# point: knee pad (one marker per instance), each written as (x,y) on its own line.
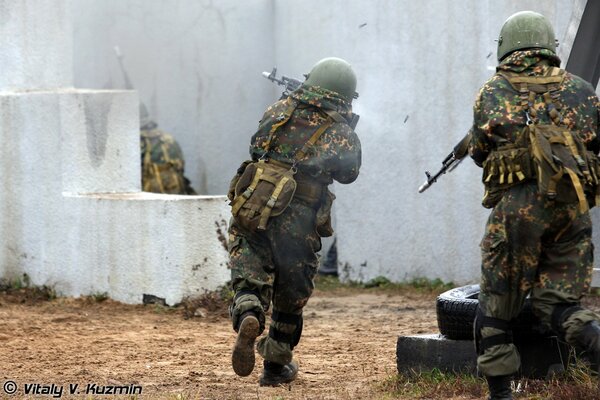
(292,319)
(484,343)
(243,302)
(562,312)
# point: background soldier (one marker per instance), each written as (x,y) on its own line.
(162,160)
(279,263)
(538,236)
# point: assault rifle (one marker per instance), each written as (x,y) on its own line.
(450,162)
(292,84)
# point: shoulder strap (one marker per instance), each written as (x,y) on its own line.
(313,139)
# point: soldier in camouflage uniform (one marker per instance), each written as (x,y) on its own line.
(278,265)
(532,244)
(162,160)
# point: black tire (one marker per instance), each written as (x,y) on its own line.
(456,310)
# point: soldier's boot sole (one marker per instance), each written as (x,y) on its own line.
(242,358)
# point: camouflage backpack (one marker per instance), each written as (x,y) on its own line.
(265,188)
(553,155)
(162,164)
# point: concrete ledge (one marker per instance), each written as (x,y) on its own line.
(539,357)
(596,277)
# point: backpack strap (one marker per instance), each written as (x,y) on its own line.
(312,140)
(530,86)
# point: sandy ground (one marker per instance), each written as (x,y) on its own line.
(347,350)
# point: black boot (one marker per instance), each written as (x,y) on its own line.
(499,387)
(242,358)
(276,374)
(589,339)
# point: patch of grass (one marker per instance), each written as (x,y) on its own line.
(577,382)
(99,297)
(332,283)
(433,385)
(20,290)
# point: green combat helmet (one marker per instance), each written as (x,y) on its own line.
(526,30)
(333,74)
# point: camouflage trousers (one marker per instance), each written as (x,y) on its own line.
(534,247)
(278,266)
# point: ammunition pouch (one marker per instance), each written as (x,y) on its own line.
(504,168)
(264,190)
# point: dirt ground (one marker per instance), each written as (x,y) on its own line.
(347,349)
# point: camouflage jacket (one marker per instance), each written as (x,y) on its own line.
(162,164)
(337,153)
(499,117)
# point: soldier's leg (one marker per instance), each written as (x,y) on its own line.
(565,276)
(252,282)
(510,250)
(294,245)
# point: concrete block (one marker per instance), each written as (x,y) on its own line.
(100,141)
(539,356)
(125,244)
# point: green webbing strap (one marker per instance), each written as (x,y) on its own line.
(266,212)
(313,139)
(240,200)
(583,205)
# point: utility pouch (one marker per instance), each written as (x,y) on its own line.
(263,191)
(504,168)
(559,157)
(324,228)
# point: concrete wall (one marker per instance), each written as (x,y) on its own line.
(419,65)
(40,55)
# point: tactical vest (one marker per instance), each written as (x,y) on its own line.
(551,154)
(264,189)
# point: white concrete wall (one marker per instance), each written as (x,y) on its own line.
(419,64)
(419,67)
(40,55)
(73,216)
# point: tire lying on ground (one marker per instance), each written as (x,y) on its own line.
(456,310)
